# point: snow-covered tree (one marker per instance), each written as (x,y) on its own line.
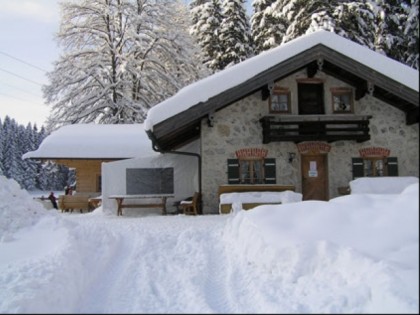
(267,27)
(351,19)
(10,134)
(120,58)
(387,26)
(15,140)
(29,143)
(1,147)
(235,33)
(206,19)
(390,17)
(411,35)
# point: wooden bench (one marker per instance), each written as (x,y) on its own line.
(226,189)
(161,203)
(79,201)
(191,206)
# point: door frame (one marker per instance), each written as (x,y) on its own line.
(318,157)
(314,148)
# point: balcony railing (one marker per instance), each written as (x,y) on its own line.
(298,128)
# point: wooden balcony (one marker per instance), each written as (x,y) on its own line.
(298,128)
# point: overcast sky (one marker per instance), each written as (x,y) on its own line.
(27,51)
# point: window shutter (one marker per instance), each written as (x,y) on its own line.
(357,167)
(270,171)
(392,163)
(233,171)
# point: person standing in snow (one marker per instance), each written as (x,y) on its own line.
(53,200)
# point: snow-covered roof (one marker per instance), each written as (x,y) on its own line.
(213,85)
(93,141)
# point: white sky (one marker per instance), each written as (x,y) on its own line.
(354,254)
(26,33)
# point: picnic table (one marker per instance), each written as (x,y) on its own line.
(142,201)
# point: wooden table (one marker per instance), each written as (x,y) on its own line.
(147,204)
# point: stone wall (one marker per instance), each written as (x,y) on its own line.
(237,126)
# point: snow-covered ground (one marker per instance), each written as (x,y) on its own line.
(355,254)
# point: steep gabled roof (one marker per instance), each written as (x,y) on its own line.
(176,120)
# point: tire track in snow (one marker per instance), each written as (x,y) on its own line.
(229,288)
(165,263)
(108,272)
(218,276)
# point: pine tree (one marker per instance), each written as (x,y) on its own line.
(120,58)
(1,147)
(387,26)
(206,22)
(29,177)
(10,165)
(390,16)
(411,35)
(235,34)
(267,27)
(351,19)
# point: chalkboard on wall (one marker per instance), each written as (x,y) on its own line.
(149,181)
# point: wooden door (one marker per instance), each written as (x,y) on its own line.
(314,177)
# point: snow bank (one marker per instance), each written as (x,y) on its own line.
(20,210)
(353,254)
(381,185)
(45,260)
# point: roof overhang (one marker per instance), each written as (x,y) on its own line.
(184,127)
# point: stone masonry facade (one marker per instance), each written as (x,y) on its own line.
(237,126)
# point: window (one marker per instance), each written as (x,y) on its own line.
(251,171)
(311,97)
(279,101)
(342,100)
(374,166)
(149,181)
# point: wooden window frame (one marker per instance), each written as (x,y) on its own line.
(279,92)
(251,170)
(376,171)
(337,94)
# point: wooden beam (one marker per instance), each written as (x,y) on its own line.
(312,69)
(412,116)
(265,93)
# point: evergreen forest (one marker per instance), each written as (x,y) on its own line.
(16,140)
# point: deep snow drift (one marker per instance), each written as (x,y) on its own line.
(354,254)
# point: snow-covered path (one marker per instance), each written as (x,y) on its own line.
(304,257)
(161,263)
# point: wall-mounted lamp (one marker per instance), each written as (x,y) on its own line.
(292,156)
